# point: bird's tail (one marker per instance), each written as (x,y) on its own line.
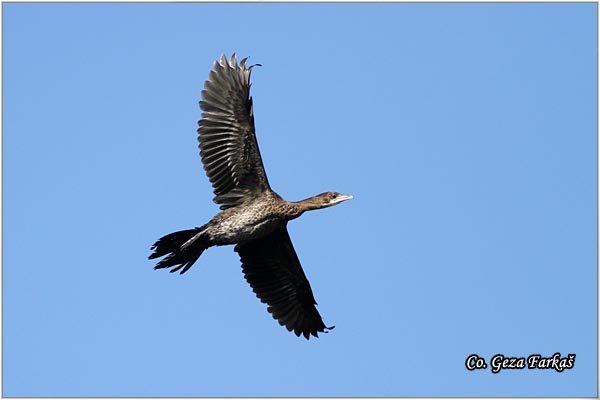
(182,249)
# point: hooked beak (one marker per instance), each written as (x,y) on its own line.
(341,198)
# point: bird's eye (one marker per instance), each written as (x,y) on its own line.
(333,195)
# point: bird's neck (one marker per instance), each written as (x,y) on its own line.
(312,203)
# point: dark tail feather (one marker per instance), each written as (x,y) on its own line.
(177,256)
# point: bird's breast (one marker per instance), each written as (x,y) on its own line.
(241,224)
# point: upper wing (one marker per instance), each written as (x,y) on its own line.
(228,144)
(272,268)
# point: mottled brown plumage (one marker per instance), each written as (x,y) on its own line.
(253,216)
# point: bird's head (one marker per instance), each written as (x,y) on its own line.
(323,200)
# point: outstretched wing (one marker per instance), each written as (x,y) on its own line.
(272,269)
(228,146)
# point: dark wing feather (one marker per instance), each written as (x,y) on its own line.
(228,146)
(273,270)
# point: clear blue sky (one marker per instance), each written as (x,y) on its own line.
(466,133)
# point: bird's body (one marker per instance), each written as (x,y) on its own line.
(249,221)
(253,216)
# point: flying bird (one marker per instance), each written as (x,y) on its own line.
(252,216)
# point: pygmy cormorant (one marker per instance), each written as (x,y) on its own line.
(253,217)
